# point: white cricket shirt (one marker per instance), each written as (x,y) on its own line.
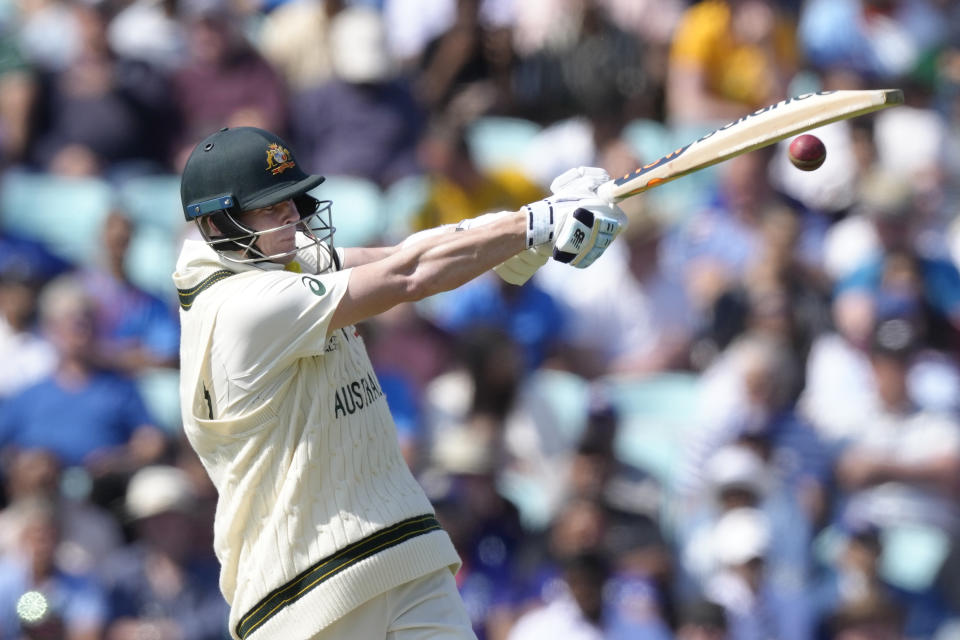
(318,511)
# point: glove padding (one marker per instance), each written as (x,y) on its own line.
(587,232)
(567,188)
(521,267)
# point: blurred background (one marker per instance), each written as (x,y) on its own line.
(741,422)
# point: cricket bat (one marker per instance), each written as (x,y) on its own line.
(755,130)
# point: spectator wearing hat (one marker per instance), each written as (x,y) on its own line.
(165,583)
(756,607)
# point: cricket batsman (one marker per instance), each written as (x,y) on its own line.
(321,529)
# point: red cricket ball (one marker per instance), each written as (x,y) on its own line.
(807,152)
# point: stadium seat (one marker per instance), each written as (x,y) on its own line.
(151,259)
(912,555)
(496,142)
(66,214)
(358,209)
(402,200)
(655,412)
(153,200)
(160,389)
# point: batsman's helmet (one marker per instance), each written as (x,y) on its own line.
(240,169)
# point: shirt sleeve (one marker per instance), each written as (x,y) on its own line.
(273,318)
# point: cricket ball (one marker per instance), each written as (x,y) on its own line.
(807,152)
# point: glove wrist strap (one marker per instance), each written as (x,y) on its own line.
(539,222)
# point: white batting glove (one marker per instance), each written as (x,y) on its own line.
(548,215)
(521,267)
(587,232)
(580,182)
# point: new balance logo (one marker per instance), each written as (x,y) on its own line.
(578,237)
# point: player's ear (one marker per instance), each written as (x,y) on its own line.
(211,227)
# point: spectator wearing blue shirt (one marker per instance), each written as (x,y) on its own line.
(528,314)
(899,268)
(85,415)
(135,329)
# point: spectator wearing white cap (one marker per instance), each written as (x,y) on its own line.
(164,585)
(756,608)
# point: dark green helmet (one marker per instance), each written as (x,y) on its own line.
(241,169)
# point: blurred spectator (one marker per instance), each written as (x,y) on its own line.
(872,619)
(164,584)
(702,620)
(101,113)
(461,51)
(485,526)
(728,58)
(740,478)
(899,268)
(135,330)
(839,387)
(88,533)
(47,33)
(150,31)
(903,467)
(854,579)
(26,355)
(294,39)
(18,91)
(577,610)
(459,189)
(487,382)
(746,397)
(881,40)
(39,598)
(575,59)
(755,607)
(21,254)
(530,316)
(364,121)
(225,82)
(777,294)
(86,415)
(713,248)
(627,314)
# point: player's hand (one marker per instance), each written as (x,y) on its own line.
(548,216)
(587,232)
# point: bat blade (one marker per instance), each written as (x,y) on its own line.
(755,130)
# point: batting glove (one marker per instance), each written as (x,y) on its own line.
(549,215)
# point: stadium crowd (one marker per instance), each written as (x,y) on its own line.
(742,423)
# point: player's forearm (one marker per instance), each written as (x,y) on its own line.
(429,265)
(446,261)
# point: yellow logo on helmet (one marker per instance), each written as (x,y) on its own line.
(278,159)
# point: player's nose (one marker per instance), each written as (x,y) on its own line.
(290,213)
